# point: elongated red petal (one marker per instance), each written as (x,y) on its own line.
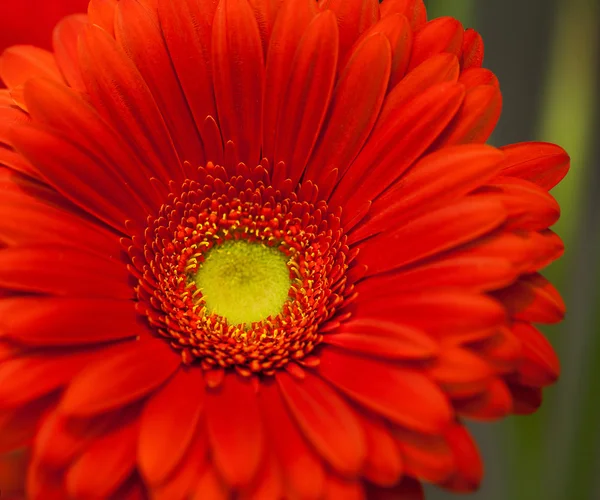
(384,158)
(533,298)
(437,179)
(292,21)
(237,57)
(540,365)
(168,423)
(327,421)
(354,17)
(139,35)
(444,34)
(302,469)
(348,127)
(102,13)
(64,42)
(187,29)
(414,10)
(383,465)
(306,100)
(65,321)
(102,467)
(433,233)
(476,118)
(540,162)
(402,395)
(235,429)
(448,315)
(63,271)
(22,62)
(118,91)
(472,50)
(122,378)
(469,467)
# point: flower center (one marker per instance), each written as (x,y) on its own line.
(236,273)
(244,282)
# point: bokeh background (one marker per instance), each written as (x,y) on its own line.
(546,54)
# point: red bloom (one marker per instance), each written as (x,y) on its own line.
(259,249)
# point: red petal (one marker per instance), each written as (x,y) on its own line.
(78,175)
(533,298)
(436,179)
(354,17)
(27,378)
(383,347)
(460,373)
(433,233)
(494,403)
(474,77)
(476,118)
(210,487)
(18,426)
(396,29)
(119,93)
(451,316)
(235,430)
(427,457)
(54,321)
(539,162)
(266,12)
(139,35)
(384,158)
(70,114)
(60,439)
(414,10)
(354,108)
(237,57)
(22,62)
(168,424)
(530,207)
(415,343)
(444,34)
(64,42)
(184,478)
(307,96)
(540,366)
(138,369)
(326,420)
(383,465)
(469,467)
(102,13)
(402,395)
(441,68)
(292,21)
(107,463)
(187,29)
(472,50)
(59,270)
(302,470)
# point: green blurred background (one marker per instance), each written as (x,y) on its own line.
(546,54)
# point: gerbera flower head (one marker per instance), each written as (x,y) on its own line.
(259,249)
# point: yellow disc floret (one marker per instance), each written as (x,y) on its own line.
(244,282)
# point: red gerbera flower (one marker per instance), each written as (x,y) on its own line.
(258,249)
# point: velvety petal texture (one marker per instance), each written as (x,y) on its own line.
(344,139)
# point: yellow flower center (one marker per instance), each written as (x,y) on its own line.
(244,282)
